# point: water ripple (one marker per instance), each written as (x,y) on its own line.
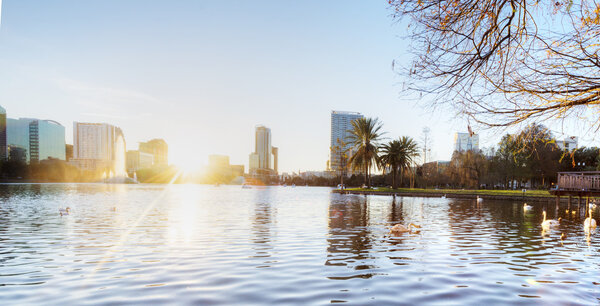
(190,244)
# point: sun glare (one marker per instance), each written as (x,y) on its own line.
(188,162)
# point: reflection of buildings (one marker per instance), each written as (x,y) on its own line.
(159,149)
(568,144)
(218,165)
(3,145)
(137,160)
(37,139)
(466,142)
(261,229)
(99,146)
(260,162)
(341,123)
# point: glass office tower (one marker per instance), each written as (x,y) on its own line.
(40,139)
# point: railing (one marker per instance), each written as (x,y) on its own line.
(588,180)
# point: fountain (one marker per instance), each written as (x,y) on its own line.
(118,174)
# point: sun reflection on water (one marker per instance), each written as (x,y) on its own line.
(184,217)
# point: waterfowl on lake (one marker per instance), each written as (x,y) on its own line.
(479,200)
(399,228)
(444,196)
(547,224)
(527,207)
(64,211)
(589,223)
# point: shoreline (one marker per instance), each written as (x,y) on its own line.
(456,194)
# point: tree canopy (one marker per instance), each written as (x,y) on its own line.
(501,62)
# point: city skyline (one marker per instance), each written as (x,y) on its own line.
(160,73)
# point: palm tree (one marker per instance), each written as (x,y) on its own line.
(364,137)
(397,155)
(340,151)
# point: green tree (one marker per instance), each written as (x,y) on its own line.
(341,151)
(364,137)
(397,155)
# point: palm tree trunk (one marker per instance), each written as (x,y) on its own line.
(401,176)
(394,172)
(367,177)
(366,174)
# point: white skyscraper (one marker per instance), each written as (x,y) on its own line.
(341,123)
(262,147)
(99,146)
(264,158)
(466,142)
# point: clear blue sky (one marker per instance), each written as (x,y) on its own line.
(202,74)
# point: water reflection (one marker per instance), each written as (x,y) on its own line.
(262,220)
(349,242)
(226,245)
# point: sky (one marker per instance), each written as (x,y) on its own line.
(203,74)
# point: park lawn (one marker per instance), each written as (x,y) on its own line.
(528,193)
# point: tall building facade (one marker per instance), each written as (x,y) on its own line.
(275,151)
(262,146)
(466,142)
(37,139)
(3,143)
(137,160)
(99,146)
(265,156)
(159,149)
(341,123)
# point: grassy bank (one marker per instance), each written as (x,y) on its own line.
(482,192)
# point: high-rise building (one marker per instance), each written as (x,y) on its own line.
(275,151)
(341,123)
(262,146)
(218,166)
(253,161)
(159,149)
(568,144)
(137,160)
(260,161)
(466,142)
(40,139)
(99,146)
(3,144)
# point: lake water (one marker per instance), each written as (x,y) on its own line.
(191,244)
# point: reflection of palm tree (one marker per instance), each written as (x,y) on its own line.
(364,137)
(397,155)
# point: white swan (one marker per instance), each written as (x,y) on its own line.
(589,223)
(527,207)
(548,224)
(399,228)
(64,211)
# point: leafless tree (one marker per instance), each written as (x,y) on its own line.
(502,63)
